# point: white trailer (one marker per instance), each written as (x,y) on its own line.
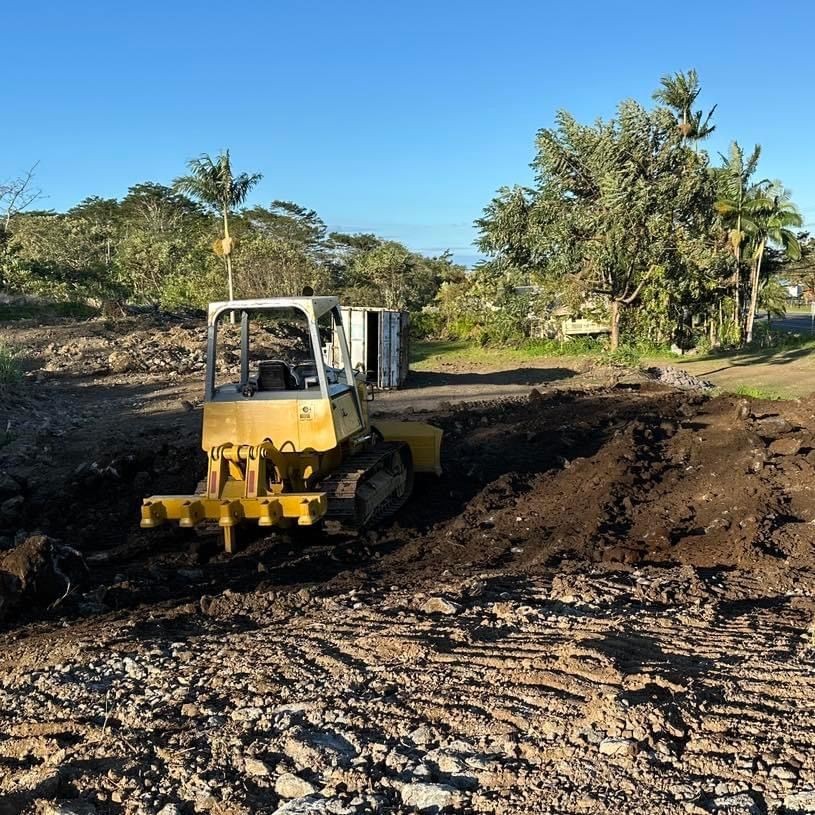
(378,340)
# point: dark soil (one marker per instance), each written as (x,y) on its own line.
(603,605)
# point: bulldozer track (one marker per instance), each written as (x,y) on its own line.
(343,484)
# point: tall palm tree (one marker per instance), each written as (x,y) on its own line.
(679,92)
(732,205)
(212,182)
(774,216)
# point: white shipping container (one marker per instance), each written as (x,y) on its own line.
(378,341)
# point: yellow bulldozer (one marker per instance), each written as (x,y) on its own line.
(286,431)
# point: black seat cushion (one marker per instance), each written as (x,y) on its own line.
(274,375)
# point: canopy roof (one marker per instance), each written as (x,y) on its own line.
(314,307)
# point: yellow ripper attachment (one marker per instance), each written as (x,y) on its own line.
(303,508)
(236,491)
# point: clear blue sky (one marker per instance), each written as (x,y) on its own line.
(395,117)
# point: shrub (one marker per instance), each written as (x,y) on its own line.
(426,325)
(11,371)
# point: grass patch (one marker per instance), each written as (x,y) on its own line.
(425,353)
(11,371)
(757,393)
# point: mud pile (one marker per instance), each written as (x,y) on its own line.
(38,572)
(665,478)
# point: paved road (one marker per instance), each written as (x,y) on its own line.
(801,323)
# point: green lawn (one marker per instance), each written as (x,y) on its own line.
(426,355)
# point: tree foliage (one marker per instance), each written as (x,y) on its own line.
(679,92)
(618,206)
(155,245)
(213,183)
(627,217)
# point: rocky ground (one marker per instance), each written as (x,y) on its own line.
(605,605)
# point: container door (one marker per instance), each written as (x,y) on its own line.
(404,347)
(357,339)
(389,350)
(353,321)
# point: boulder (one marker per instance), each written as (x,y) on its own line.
(787,446)
(801,802)
(120,362)
(290,785)
(438,605)
(429,798)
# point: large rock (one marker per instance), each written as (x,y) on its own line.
(429,798)
(801,802)
(38,572)
(310,805)
(438,605)
(788,446)
(290,785)
(255,767)
(120,362)
(740,803)
(618,747)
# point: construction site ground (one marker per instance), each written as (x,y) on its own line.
(604,605)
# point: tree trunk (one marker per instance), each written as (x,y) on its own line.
(737,253)
(228,259)
(736,304)
(751,311)
(615,325)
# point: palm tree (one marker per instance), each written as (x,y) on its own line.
(212,182)
(679,92)
(735,193)
(772,298)
(774,215)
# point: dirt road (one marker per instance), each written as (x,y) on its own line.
(605,605)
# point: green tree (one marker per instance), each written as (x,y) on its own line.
(290,222)
(158,209)
(772,298)
(733,205)
(617,205)
(389,272)
(214,184)
(679,93)
(58,255)
(802,270)
(271,266)
(773,217)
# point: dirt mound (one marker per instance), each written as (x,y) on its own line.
(157,345)
(38,572)
(625,478)
(678,378)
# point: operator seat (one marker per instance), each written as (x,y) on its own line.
(275,375)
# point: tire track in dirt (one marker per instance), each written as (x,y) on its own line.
(617,618)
